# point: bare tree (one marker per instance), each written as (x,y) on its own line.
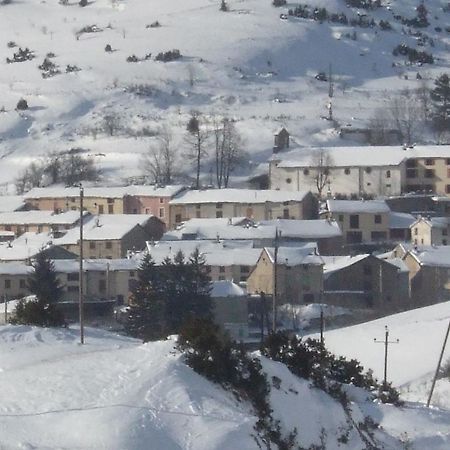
(31,177)
(379,126)
(160,161)
(405,112)
(111,123)
(321,163)
(228,150)
(196,139)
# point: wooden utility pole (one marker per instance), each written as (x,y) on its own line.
(80,284)
(322,340)
(386,343)
(5,299)
(262,305)
(438,365)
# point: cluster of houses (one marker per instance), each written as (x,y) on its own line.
(380,255)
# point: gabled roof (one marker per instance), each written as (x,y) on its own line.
(336,263)
(358,206)
(433,222)
(293,256)
(226,288)
(436,256)
(39,217)
(360,156)
(247,196)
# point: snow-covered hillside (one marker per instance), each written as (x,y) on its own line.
(246,63)
(116,393)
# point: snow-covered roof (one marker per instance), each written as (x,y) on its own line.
(335,263)
(434,222)
(96,265)
(104,227)
(24,247)
(400,220)
(226,288)
(10,203)
(39,217)
(294,256)
(15,268)
(60,191)
(358,206)
(438,256)
(360,156)
(250,196)
(241,228)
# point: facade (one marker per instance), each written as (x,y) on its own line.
(366,282)
(431,231)
(377,171)
(253,204)
(361,221)
(298,276)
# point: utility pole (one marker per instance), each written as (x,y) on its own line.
(438,365)
(330,82)
(5,299)
(322,340)
(386,343)
(80,275)
(262,305)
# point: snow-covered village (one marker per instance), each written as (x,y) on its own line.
(225,224)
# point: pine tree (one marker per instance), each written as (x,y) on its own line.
(440,97)
(44,284)
(146,318)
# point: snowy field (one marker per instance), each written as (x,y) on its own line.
(116,393)
(246,63)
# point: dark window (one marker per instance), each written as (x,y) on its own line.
(8,228)
(73,276)
(222,269)
(91,245)
(7,284)
(100,209)
(448,161)
(161,199)
(245,269)
(286,213)
(429,173)
(411,173)
(22,284)
(110,200)
(444,241)
(177,218)
(341,218)
(219,205)
(411,163)
(354,221)
(108,244)
(132,273)
(110,209)
(306,172)
(377,218)
(198,206)
(429,162)
(447,188)
(416,231)
(219,214)
(388,174)
(347,171)
(288,180)
(368,169)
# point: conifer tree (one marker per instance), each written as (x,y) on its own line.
(146,315)
(44,284)
(440,97)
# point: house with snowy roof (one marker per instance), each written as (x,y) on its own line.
(366,282)
(361,221)
(295,274)
(429,272)
(134,199)
(250,203)
(431,231)
(19,222)
(326,233)
(359,170)
(112,236)
(10,203)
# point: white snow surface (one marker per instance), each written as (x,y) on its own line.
(117,393)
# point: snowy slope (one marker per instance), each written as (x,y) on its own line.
(246,63)
(116,393)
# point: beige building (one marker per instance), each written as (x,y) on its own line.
(298,279)
(431,231)
(253,204)
(361,221)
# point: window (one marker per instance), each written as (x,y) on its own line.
(368,169)
(161,212)
(411,163)
(444,241)
(177,218)
(388,174)
(92,245)
(448,161)
(429,173)
(447,188)
(377,218)
(245,269)
(288,180)
(108,245)
(110,209)
(198,206)
(8,228)
(72,199)
(73,276)
(22,284)
(347,171)
(341,217)
(416,231)
(110,200)
(429,162)
(198,214)
(411,173)
(354,221)
(101,209)
(448,172)
(102,285)
(219,205)
(222,269)
(161,199)
(286,213)
(132,273)
(7,284)
(444,232)
(306,172)
(219,214)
